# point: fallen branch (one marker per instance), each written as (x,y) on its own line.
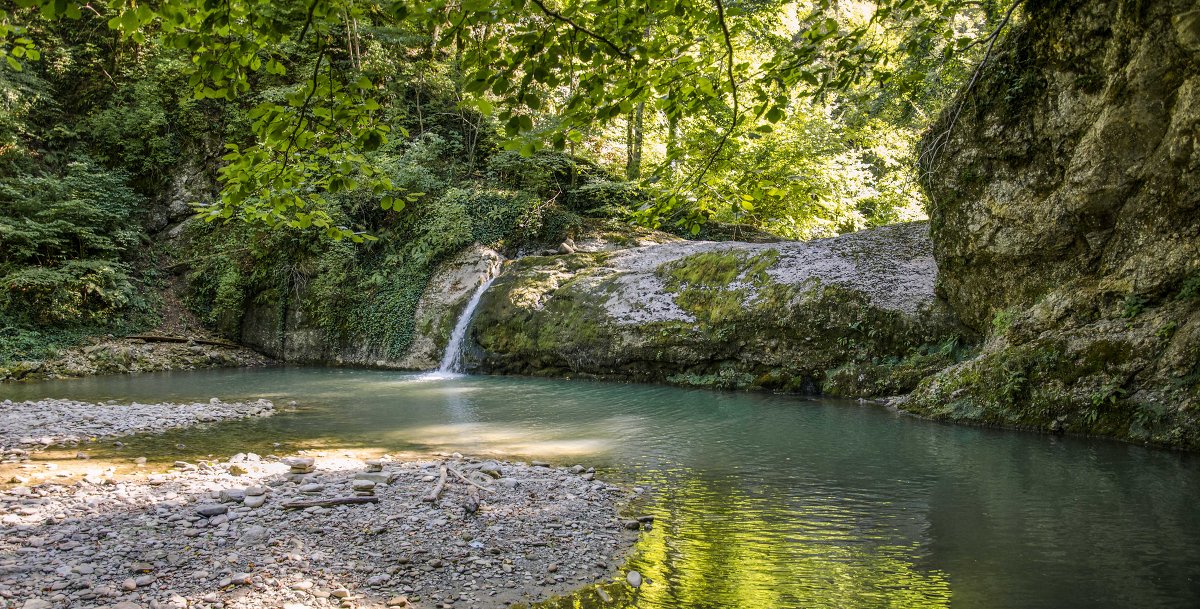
(469,481)
(304,503)
(437,490)
(152,338)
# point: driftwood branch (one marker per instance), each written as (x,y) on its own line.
(151,338)
(437,490)
(295,505)
(469,481)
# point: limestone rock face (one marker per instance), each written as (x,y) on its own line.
(1064,217)
(191,182)
(1074,157)
(442,303)
(853,315)
(293,337)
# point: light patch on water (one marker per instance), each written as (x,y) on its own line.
(431,376)
(508,440)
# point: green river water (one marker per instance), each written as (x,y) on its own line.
(761,501)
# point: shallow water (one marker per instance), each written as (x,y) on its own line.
(762,501)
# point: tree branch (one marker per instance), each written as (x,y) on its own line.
(928,159)
(287,152)
(307,21)
(580,28)
(733,89)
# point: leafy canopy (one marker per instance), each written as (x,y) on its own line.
(549,71)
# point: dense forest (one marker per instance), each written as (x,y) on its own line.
(350,147)
(597,303)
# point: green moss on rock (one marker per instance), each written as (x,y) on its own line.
(733,316)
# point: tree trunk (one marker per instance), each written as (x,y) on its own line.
(633,147)
(672,143)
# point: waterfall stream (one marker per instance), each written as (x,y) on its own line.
(452,359)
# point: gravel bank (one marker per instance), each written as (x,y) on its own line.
(220,535)
(67,422)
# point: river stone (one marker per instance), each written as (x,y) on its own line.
(312,488)
(211,509)
(634,578)
(232,495)
(255,501)
(376,477)
(362,485)
(252,534)
(299,461)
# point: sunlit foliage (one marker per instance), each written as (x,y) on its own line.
(789,115)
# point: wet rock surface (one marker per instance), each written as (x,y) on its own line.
(206,538)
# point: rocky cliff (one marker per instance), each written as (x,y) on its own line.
(1064,192)
(853,315)
(291,335)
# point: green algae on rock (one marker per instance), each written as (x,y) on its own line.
(791,316)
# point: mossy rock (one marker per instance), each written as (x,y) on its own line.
(725,315)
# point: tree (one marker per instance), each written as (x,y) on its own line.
(549,70)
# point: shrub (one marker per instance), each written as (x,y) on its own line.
(606,198)
(68,244)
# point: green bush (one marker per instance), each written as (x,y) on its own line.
(68,244)
(606,198)
(545,173)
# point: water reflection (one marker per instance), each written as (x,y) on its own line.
(763,501)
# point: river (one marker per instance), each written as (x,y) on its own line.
(761,501)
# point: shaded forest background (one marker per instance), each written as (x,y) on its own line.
(108,148)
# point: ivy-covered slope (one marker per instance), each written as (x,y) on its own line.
(1065,216)
(853,315)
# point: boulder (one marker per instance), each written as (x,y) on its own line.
(800,316)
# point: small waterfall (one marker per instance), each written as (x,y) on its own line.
(452,359)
